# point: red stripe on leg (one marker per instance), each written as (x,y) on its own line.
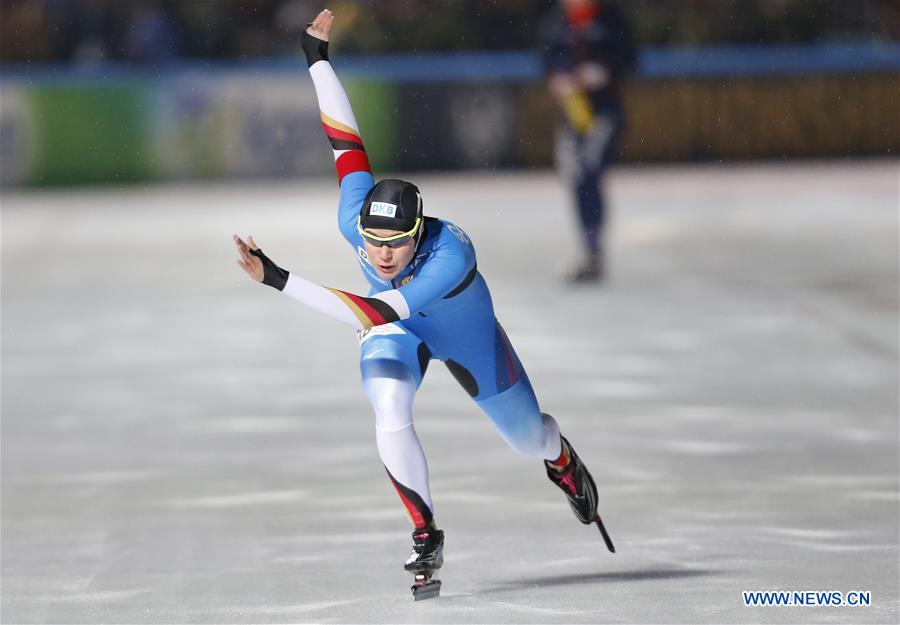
(511,369)
(418,520)
(351,161)
(418,512)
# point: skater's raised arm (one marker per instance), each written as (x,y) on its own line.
(352,163)
(334,105)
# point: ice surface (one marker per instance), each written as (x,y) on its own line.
(180,445)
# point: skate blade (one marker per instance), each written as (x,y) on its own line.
(427,590)
(606,538)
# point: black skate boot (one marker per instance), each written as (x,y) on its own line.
(592,270)
(428,550)
(589,272)
(427,557)
(578,485)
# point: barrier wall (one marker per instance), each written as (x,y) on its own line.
(813,116)
(437,112)
(191,125)
(668,119)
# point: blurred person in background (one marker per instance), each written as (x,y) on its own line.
(587,51)
(92,32)
(152,33)
(426,300)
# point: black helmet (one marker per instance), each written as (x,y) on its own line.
(392,205)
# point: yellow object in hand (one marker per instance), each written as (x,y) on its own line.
(579,112)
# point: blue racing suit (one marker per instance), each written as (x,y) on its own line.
(452,319)
(437,307)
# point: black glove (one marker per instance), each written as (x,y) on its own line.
(273,275)
(314,48)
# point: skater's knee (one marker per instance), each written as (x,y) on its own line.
(391,400)
(536,437)
(392,411)
(525,436)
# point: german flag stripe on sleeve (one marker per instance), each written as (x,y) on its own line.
(342,135)
(368,310)
(331,123)
(341,144)
(351,161)
(338,121)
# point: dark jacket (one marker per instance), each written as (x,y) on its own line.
(606,39)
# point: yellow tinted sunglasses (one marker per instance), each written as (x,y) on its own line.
(395,240)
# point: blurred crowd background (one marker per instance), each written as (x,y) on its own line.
(155,31)
(128,90)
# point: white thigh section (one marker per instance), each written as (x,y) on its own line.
(398,445)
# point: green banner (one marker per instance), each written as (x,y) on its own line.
(375,108)
(90,134)
(258,125)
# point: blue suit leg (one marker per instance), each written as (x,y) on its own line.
(392,351)
(596,151)
(493,375)
(520,422)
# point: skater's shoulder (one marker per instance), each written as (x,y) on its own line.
(442,233)
(445,248)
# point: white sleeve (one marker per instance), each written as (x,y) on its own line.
(355,310)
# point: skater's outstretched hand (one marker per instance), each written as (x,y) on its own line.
(321,26)
(259,266)
(250,264)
